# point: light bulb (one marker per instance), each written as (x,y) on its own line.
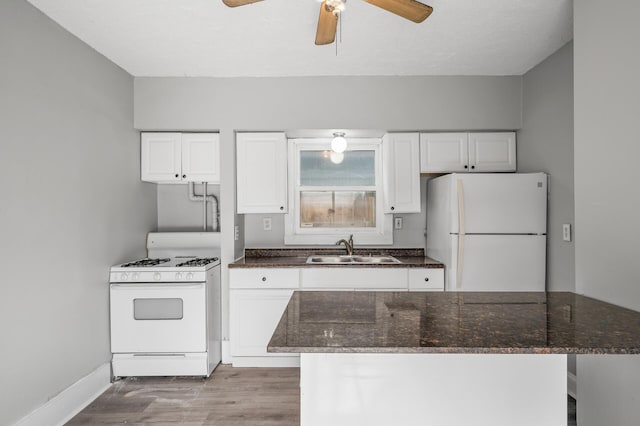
(338,143)
(337,157)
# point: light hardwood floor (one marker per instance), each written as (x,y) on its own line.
(230,397)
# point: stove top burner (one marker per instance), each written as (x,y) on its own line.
(145,262)
(198,261)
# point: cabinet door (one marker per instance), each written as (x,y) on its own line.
(426,279)
(443,152)
(160,157)
(264,278)
(261,167)
(353,278)
(201,157)
(401,172)
(492,152)
(254,316)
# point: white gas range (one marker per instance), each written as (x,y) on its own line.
(165,309)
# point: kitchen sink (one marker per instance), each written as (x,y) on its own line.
(351,260)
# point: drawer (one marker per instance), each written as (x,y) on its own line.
(264,278)
(426,279)
(353,278)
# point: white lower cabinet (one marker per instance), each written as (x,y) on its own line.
(256,314)
(258,297)
(381,279)
(426,279)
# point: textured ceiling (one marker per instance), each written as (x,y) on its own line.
(276,37)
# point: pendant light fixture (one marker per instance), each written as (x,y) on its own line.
(338,143)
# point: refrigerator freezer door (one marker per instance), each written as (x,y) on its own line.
(497,263)
(496,203)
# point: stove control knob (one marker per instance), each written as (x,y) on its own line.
(135,276)
(189,276)
(178,276)
(156,276)
(124,276)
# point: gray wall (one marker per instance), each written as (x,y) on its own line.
(545,144)
(607,200)
(276,104)
(176,212)
(71,205)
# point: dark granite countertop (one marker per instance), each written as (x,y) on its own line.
(297,258)
(452,322)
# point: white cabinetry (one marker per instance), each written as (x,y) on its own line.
(467,152)
(261,167)
(258,298)
(426,279)
(492,152)
(340,278)
(401,172)
(180,157)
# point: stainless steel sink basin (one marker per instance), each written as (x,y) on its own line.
(375,259)
(351,260)
(329,259)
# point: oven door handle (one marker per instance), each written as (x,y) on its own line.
(165,286)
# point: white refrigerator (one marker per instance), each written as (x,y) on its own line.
(489,230)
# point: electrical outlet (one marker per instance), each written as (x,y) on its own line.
(566,232)
(397,223)
(236,233)
(266,223)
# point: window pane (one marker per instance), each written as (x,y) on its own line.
(319,168)
(157,309)
(337,209)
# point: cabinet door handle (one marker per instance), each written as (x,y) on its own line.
(473,167)
(177,175)
(281,207)
(466,167)
(264,279)
(426,279)
(184,176)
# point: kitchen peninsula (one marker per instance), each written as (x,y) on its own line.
(444,358)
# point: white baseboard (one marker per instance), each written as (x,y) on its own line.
(62,407)
(572,385)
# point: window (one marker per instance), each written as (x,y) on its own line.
(335,195)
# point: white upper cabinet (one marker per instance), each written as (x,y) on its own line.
(201,157)
(444,152)
(161,157)
(261,168)
(401,172)
(180,157)
(492,152)
(467,152)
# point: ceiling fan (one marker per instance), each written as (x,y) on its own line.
(330,11)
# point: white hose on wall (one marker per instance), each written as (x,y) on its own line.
(215,210)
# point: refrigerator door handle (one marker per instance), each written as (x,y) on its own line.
(461,235)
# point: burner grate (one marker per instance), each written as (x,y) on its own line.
(198,262)
(145,262)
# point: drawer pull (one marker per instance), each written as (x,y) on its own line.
(426,279)
(264,279)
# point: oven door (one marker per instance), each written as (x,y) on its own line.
(158,318)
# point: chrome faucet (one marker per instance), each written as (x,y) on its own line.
(348,245)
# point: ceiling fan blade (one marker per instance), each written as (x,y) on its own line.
(234,3)
(327,25)
(409,9)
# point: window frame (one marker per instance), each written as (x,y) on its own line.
(294,234)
